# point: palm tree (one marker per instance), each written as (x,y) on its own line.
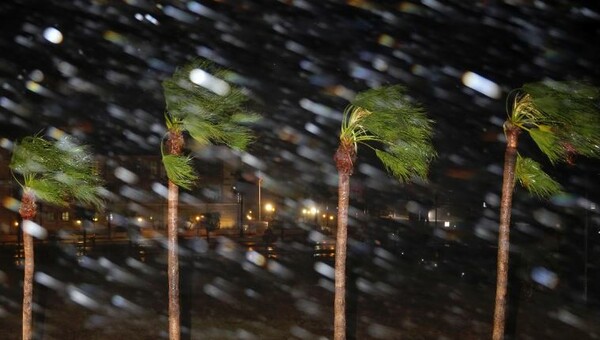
(563,120)
(201,103)
(55,173)
(400,134)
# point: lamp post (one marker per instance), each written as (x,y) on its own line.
(19,235)
(259,198)
(109,218)
(240,200)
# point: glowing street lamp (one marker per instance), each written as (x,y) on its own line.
(270,209)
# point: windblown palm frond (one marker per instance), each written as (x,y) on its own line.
(34,155)
(385,116)
(57,171)
(245,118)
(48,190)
(201,101)
(179,170)
(530,174)
(548,142)
(563,118)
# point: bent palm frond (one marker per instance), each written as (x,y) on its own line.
(548,141)
(530,174)
(208,114)
(399,127)
(179,170)
(568,121)
(57,171)
(48,191)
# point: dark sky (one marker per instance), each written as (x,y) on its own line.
(301,62)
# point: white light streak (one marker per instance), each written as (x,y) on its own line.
(151,19)
(34,229)
(53,35)
(125,175)
(481,84)
(210,82)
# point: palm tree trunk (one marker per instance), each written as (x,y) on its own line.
(510,161)
(344,159)
(173,262)
(27,211)
(341,241)
(175,145)
(28,286)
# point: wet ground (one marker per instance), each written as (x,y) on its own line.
(279,291)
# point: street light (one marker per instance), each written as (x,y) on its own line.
(259,198)
(270,209)
(197,226)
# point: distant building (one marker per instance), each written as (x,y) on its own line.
(136,188)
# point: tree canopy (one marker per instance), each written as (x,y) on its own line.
(57,171)
(399,129)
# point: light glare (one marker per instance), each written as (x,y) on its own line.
(53,35)
(208,81)
(481,84)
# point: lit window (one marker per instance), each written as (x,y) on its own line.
(64,216)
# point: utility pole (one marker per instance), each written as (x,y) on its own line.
(259,199)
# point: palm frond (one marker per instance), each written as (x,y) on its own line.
(561,100)
(530,174)
(583,133)
(83,186)
(180,171)
(385,117)
(245,118)
(49,191)
(57,171)
(204,113)
(88,195)
(563,118)
(406,160)
(203,131)
(548,142)
(184,97)
(395,165)
(34,155)
(237,137)
(397,117)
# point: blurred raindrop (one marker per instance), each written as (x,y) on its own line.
(34,229)
(53,35)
